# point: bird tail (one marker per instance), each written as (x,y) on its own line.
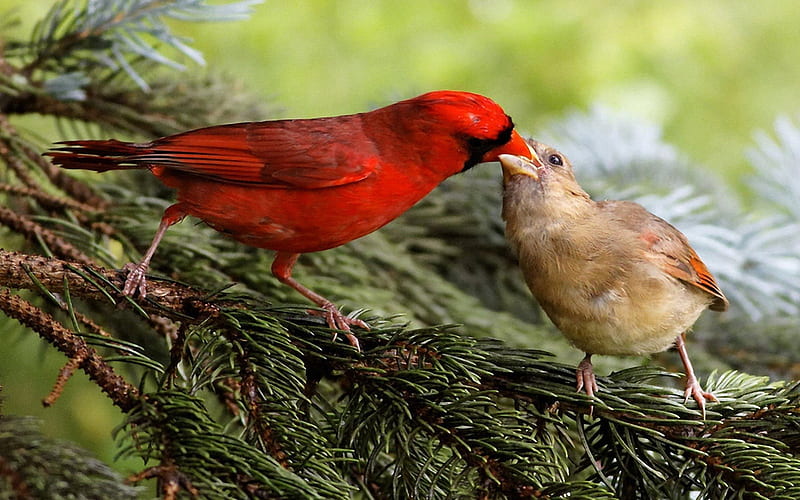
(99,156)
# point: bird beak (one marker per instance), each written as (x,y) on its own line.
(520,165)
(520,147)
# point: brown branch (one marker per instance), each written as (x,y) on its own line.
(15,481)
(76,189)
(226,391)
(270,442)
(131,112)
(46,200)
(14,162)
(164,297)
(30,229)
(88,323)
(121,393)
(102,228)
(487,465)
(61,381)
(15,152)
(172,480)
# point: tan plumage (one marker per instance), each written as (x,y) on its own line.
(614,278)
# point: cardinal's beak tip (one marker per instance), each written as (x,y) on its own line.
(534,157)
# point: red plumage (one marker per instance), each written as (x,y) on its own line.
(298,186)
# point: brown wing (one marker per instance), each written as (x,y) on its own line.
(670,250)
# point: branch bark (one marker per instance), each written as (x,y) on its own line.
(123,394)
(91,282)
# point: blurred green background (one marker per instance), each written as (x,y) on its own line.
(711,73)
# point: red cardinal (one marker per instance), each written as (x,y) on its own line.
(298,186)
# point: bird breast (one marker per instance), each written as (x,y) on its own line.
(603,303)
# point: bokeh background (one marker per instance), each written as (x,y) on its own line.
(709,73)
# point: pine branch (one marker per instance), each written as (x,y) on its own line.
(23,271)
(446,389)
(35,466)
(76,39)
(176,428)
(85,63)
(776,162)
(259,400)
(72,345)
(449,391)
(721,460)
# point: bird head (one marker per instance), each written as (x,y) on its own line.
(547,176)
(480,124)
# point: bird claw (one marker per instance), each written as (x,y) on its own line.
(136,282)
(697,393)
(339,321)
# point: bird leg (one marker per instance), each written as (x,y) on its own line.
(585,376)
(282,270)
(692,385)
(136,281)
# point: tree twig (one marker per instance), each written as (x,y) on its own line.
(165,298)
(122,393)
(31,229)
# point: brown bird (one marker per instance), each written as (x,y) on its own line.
(614,278)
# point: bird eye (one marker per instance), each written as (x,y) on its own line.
(555,159)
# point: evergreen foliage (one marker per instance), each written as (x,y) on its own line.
(240,393)
(33,466)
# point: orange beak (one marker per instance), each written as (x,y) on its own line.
(516,146)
